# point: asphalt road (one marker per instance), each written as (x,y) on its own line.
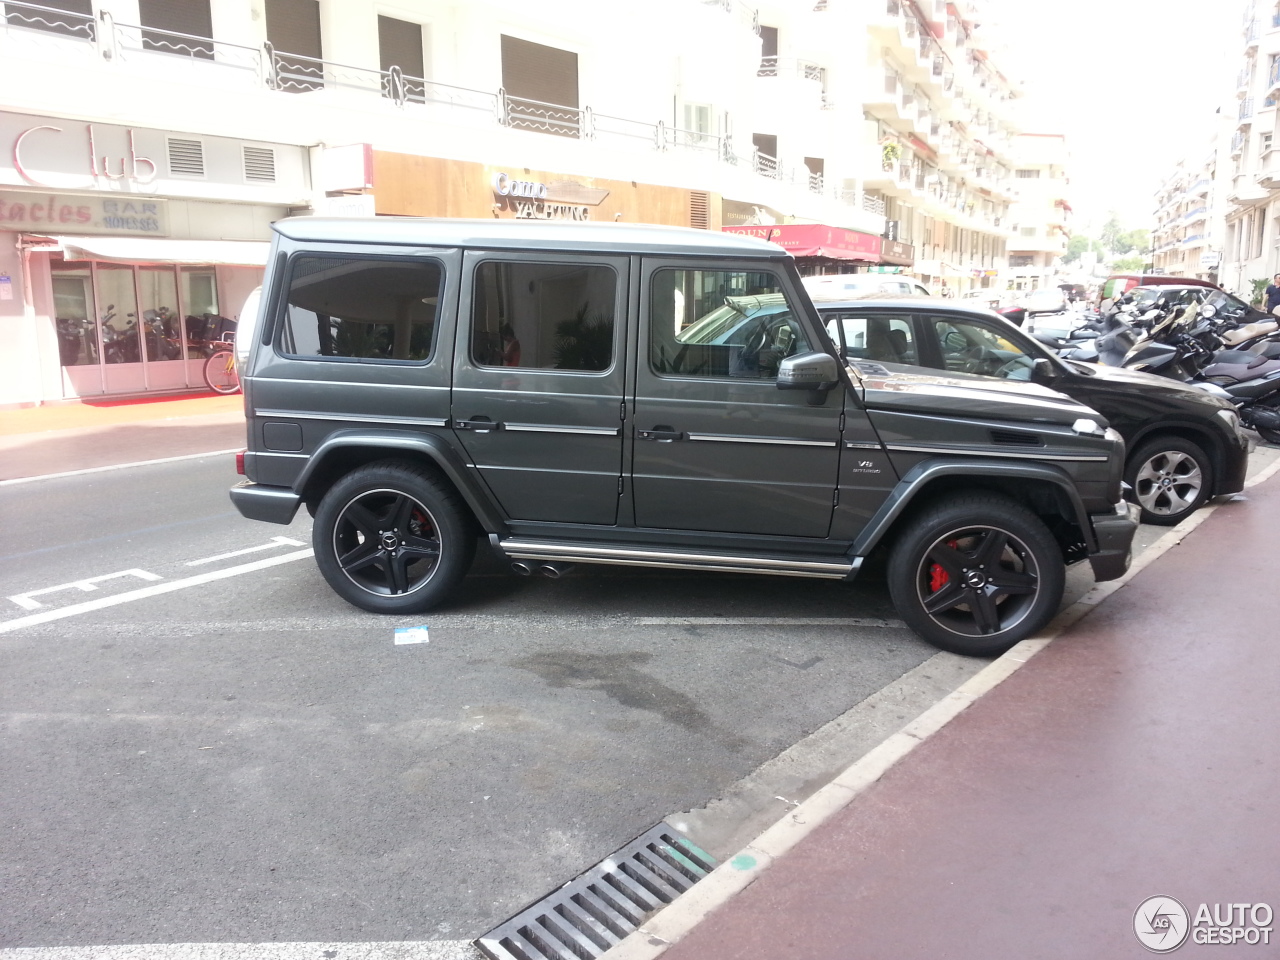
(246,758)
(201,744)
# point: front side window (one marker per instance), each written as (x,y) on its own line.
(361,309)
(553,316)
(721,323)
(973,348)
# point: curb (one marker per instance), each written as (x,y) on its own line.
(670,925)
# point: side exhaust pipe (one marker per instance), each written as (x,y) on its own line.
(555,571)
(521,569)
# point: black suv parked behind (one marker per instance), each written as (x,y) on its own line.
(616,394)
(1185,446)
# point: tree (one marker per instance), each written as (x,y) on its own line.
(1129,264)
(1111,233)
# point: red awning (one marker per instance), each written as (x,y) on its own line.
(817,240)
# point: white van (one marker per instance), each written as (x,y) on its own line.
(841,286)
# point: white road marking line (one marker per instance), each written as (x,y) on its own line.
(119,466)
(406,950)
(768,622)
(24,599)
(275,542)
(143,593)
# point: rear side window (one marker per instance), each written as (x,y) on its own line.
(886,339)
(363,308)
(552,316)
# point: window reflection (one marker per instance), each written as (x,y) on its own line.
(118,313)
(73,314)
(161,330)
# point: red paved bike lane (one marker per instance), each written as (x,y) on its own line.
(1137,755)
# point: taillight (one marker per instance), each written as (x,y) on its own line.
(240,462)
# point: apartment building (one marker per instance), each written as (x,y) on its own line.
(148,144)
(1041,211)
(1247,168)
(1189,220)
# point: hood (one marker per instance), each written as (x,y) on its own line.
(909,390)
(1124,379)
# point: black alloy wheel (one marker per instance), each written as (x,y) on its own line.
(391,538)
(1170,478)
(976,573)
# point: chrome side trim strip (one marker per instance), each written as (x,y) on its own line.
(274,453)
(403,421)
(971,452)
(733,438)
(543,428)
(861,445)
(537,550)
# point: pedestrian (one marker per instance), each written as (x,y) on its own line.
(1273,294)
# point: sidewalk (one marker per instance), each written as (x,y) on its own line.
(59,438)
(1135,756)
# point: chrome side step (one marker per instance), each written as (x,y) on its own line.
(579,552)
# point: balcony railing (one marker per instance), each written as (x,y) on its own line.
(747,16)
(62,22)
(789,67)
(1246,108)
(873,204)
(1273,76)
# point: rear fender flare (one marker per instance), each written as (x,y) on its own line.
(419,446)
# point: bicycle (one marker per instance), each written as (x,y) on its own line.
(220,369)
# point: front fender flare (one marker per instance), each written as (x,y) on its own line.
(915,479)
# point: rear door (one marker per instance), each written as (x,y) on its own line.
(539,381)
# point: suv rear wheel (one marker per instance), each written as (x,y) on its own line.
(391,538)
(974,574)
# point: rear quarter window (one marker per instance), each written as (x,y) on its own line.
(361,308)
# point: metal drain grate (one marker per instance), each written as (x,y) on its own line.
(591,913)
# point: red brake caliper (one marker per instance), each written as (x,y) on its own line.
(938,578)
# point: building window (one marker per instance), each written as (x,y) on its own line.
(400,52)
(697,122)
(293,27)
(172,26)
(541,88)
(1027,231)
(768,52)
(766,156)
(1028,174)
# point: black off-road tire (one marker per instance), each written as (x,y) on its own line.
(1170,478)
(392,538)
(976,573)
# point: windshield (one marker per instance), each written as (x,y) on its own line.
(1228,307)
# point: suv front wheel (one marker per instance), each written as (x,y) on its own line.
(391,538)
(976,573)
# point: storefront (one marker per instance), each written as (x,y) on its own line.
(408,185)
(818,248)
(125,252)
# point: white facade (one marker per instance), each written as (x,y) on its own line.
(1041,211)
(853,115)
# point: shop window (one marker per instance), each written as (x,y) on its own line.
(556,316)
(118,313)
(293,27)
(400,46)
(541,87)
(74,314)
(201,322)
(161,329)
(177,26)
(78,20)
(361,309)
(720,324)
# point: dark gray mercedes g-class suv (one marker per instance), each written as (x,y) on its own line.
(605,393)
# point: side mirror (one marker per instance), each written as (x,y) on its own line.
(816,372)
(1042,369)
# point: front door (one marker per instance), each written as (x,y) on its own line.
(718,447)
(539,382)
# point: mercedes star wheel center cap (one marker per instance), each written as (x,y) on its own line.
(390,541)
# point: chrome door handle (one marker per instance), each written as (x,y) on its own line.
(478,424)
(662,433)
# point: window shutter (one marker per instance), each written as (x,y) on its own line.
(532,71)
(400,45)
(190,17)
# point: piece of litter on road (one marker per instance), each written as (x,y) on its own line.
(412,635)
